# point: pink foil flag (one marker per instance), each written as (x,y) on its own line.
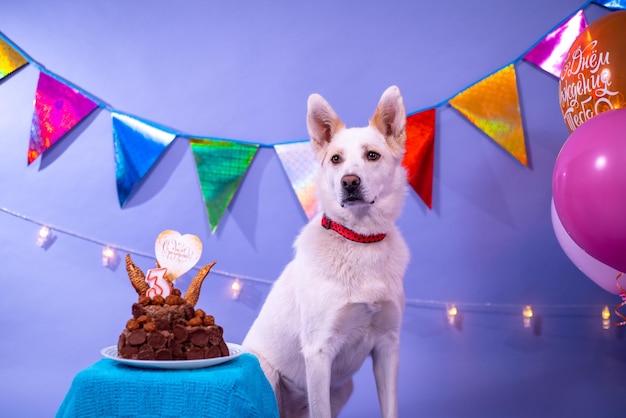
(10,59)
(58,109)
(420,153)
(550,53)
(221,166)
(300,165)
(138,147)
(492,104)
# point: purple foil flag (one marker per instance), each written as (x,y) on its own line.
(550,53)
(138,147)
(300,166)
(58,109)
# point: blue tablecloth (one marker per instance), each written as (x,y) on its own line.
(237,388)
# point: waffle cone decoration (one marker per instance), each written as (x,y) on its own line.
(136,276)
(193,291)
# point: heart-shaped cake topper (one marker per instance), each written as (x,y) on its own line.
(177,253)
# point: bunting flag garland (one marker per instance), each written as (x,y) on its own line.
(550,53)
(612,4)
(58,109)
(10,59)
(492,104)
(138,147)
(300,165)
(420,153)
(221,166)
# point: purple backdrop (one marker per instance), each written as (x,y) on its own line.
(243,70)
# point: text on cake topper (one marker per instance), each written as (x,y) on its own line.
(178,253)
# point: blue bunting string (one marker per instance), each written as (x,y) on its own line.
(611,4)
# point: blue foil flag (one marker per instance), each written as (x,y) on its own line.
(612,4)
(138,147)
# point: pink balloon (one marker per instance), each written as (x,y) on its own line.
(589,187)
(601,274)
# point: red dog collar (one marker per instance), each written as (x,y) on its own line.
(350,234)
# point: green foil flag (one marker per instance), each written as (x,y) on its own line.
(221,166)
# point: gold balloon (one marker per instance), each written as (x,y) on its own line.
(593,76)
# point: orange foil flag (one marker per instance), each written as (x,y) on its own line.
(492,104)
(420,153)
(10,59)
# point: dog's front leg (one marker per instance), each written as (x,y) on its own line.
(385,360)
(318,365)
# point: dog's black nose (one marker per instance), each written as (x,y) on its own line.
(350,182)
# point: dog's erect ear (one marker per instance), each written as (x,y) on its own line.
(390,117)
(322,122)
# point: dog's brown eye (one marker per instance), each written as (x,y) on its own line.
(373,156)
(335,159)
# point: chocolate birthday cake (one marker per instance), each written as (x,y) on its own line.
(165,325)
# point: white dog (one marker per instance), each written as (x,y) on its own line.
(341,299)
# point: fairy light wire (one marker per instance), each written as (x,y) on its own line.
(120,248)
(415,302)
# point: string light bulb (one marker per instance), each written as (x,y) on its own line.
(109,257)
(235,288)
(45,237)
(606,318)
(527,314)
(452,313)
